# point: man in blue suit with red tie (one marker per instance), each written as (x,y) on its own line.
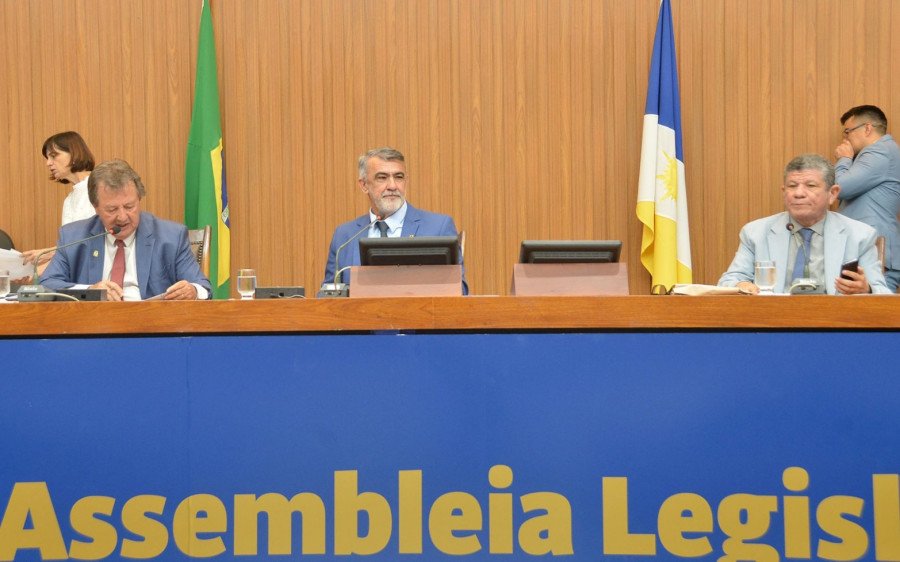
(383,177)
(140,257)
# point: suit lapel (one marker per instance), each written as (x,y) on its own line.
(411,222)
(96,253)
(778,240)
(144,241)
(835,242)
(351,252)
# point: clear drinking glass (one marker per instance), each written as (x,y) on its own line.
(246,283)
(4,283)
(764,276)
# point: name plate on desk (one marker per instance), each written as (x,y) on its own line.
(406,281)
(569,279)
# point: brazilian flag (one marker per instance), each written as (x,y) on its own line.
(205,195)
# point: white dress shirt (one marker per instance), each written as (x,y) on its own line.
(394,223)
(131,291)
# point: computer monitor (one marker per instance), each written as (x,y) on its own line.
(570,251)
(420,250)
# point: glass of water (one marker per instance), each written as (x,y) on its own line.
(4,283)
(246,283)
(764,276)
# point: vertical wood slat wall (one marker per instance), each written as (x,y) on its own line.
(520,118)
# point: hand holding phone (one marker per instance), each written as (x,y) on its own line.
(849,266)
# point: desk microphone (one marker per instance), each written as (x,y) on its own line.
(337,288)
(800,246)
(35,288)
(805,284)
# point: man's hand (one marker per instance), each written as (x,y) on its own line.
(843,150)
(748,288)
(856,285)
(113,291)
(181,291)
(31,255)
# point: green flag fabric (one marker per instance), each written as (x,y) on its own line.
(205,194)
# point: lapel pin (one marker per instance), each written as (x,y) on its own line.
(96,253)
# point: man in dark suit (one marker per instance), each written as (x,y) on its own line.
(382,176)
(140,257)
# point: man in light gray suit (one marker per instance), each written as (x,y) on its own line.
(808,238)
(868,171)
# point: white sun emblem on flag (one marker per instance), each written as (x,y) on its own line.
(669,177)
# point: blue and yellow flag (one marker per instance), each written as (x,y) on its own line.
(205,195)
(662,199)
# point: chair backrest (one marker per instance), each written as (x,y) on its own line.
(6,242)
(879,246)
(199,239)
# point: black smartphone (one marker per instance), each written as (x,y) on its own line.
(849,266)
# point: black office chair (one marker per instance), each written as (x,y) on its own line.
(6,242)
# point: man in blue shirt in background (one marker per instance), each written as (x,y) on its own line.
(868,171)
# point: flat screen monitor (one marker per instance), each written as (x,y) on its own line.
(420,250)
(570,251)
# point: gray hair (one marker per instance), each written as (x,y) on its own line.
(811,162)
(114,175)
(384,153)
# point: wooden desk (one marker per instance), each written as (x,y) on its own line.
(453,313)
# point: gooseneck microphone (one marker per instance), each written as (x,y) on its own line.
(801,246)
(337,288)
(37,293)
(337,255)
(802,285)
(111,230)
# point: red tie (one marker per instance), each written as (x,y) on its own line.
(117,275)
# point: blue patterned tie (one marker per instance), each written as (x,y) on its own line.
(802,253)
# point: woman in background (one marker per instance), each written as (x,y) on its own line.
(70,162)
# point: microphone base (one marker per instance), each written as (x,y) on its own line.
(33,293)
(333,291)
(279,293)
(39,293)
(805,286)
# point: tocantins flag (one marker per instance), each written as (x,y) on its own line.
(662,200)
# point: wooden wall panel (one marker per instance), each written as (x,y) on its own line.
(522,119)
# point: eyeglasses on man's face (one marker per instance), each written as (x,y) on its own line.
(851,129)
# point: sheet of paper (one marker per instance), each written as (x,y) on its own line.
(697,290)
(11,260)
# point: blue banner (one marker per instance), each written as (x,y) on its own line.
(594,446)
